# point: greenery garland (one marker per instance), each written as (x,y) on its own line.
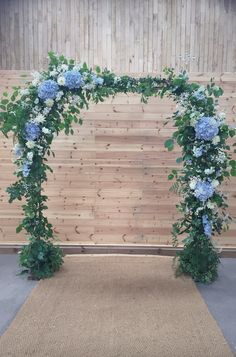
(54,100)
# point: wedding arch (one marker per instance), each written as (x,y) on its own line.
(52,102)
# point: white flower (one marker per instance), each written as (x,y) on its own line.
(221,157)
(46,111)
(61,81)
(198,210)
(46,130)
(210,205)
(36,101)
(53,73)
(216,140)
(24,91)
(193,183)
(30,144)
(40,118)
(63,68)
(59,95)
(49,102)
(37,77)
(215,183)
(116,80)
(89,86)
(222,115)
(209,171)
(74,99)
(193,121)
(30,156)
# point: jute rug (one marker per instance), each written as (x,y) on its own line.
(99,306)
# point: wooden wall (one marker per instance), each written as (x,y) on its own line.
(124,35)
(110,179)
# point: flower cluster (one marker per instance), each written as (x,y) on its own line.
(203,190)
(73,79)
(32,131)
(48,89)
(206,128)
(206,225)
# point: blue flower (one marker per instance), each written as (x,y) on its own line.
(97,80)
(73,79)
(26,169)
(32,131)
(48,89)
(206,225)
(203,190)
(206,128)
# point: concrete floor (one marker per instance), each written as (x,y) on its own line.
(219,296)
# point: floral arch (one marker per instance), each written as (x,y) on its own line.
(53,101)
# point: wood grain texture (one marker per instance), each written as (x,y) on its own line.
(124,35)
(109,184)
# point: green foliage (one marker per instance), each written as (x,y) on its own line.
(41,259)
(199,259)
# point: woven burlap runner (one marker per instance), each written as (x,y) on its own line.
(126,306)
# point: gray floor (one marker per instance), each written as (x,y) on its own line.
(219,296)
(14,289)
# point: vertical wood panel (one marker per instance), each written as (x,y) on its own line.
(124,35)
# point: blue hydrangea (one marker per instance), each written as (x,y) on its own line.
(203,190)
(206,128)
(73,79)
(97,80)
(48,89)
(32,131)
(206,225)
(26,169)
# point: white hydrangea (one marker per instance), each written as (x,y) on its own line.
(46,130)
(49,102)
(61,81)
(36,101)
(216,140)
(30,144)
